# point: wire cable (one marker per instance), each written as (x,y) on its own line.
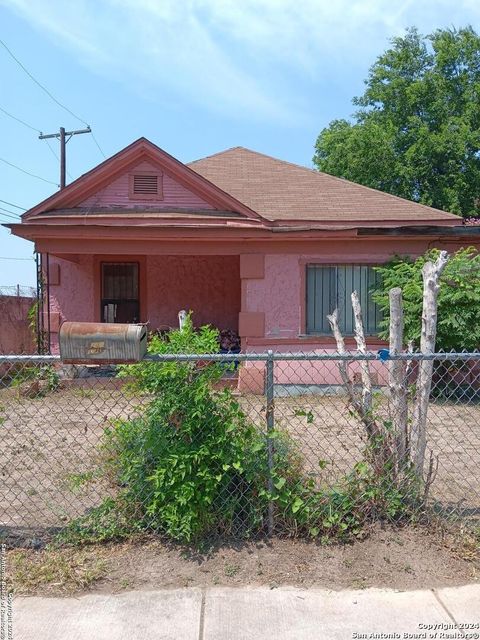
(10,115)
(98,146)
(42,87)
(10,204)
(8,213)
(25,124)
(55,155)
(49,94)
(33,175)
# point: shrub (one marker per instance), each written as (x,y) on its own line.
(458,299)
(192,465)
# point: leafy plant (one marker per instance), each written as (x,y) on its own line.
(415,133)
(192,465)
(113,519)
(458,299)
(46,373)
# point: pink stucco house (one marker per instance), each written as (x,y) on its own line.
(246,241)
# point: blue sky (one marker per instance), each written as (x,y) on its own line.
(193,76)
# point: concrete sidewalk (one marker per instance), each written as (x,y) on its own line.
(250,614)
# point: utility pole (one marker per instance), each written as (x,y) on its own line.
(63,144)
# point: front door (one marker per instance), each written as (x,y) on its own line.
(120,292)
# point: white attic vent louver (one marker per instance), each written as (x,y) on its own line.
(146,185)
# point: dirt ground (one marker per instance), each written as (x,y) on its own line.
(392,558)
(50,445)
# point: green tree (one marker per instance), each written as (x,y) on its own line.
(458,299)
(416,132)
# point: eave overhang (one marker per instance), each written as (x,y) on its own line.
(216,228)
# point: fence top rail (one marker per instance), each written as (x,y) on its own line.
(382,355)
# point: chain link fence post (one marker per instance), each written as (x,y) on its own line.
(269,380)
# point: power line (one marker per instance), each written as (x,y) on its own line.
(62,136)
(50,95)
(25,124)
(42,87)
(10,204)
(33,175)
(29,126)
(55,155)
(98,146)
(9,214)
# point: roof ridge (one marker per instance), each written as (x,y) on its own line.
(333,177)
(218,153)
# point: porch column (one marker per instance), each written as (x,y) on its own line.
(251,321)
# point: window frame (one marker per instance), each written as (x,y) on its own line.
(305,264)
(103,300)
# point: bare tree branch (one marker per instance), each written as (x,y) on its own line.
(342,365)
(431,272)
(362,347)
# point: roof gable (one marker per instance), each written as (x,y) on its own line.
(170,192)
(108,180)
(281,191)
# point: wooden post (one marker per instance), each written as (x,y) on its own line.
(418,437)
(63,165)
(397,378)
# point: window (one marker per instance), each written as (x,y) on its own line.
(120,299)
(145,185)
(330,287)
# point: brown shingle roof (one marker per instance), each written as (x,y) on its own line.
(280,190)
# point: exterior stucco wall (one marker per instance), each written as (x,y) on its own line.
(277,295)
(280,295)
(207,285)
(16,335)
(73,297)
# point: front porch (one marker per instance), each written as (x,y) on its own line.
(145,288)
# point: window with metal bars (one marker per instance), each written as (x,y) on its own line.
(330,287)
(120,292)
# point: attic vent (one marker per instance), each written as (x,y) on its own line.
(146,186)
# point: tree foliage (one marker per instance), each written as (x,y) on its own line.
(458,299)
(416,133)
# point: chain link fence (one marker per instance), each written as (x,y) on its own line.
(235,446)
(18,291)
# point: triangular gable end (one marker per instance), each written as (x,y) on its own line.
(159,190)
(109,184)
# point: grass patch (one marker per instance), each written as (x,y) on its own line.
(54,570)
(74,482)
(465,543)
